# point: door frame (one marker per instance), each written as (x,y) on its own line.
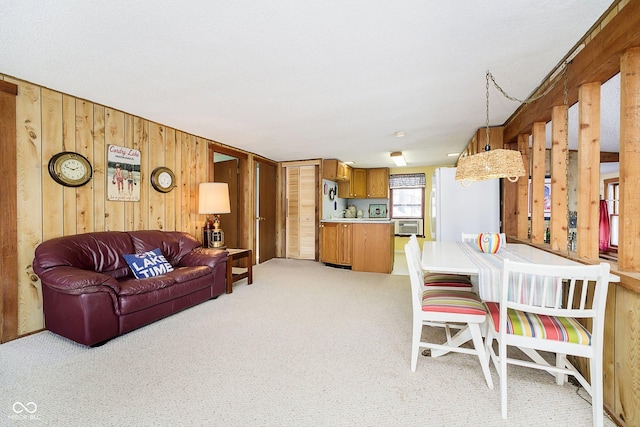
(245,226)
(279,213)
(283,190)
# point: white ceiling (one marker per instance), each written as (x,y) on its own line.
(292,79)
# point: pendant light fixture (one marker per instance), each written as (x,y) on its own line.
(490,164)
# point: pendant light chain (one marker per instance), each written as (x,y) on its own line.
(487,146)
(522,101)
(566,123)
(566,135)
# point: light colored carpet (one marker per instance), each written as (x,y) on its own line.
(305,345)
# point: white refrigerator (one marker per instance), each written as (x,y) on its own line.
(456,209)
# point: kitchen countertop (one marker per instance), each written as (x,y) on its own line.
(359,220)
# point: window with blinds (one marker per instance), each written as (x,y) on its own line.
(407,195)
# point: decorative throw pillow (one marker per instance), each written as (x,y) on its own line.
(148,264)
(489,243)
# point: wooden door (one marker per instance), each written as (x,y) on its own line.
(293,213)
(329,240)
(359,183)
(266,173)
(378,183)
(308,203)
(302,194)
(345,244)
(227,171)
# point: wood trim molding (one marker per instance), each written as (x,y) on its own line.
(8,214)
(9,88)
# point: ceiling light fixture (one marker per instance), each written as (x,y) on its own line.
(490,164)
(453,154)
(399,134)
(398,158)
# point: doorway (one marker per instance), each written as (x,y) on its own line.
(225,169)
(230,166)
(266,179)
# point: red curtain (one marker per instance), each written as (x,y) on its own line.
(605,229)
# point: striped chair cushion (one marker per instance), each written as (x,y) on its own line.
(452,301)
(541,326)
(443,279)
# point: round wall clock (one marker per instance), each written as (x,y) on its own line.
(70,169)
(162,179)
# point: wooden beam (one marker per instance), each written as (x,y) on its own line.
(629,229)
(523,190)
(597,62)
(8,88)
(588,170)
(538,149)
(559,147)
(606,157)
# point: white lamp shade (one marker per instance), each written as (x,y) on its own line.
(213,198)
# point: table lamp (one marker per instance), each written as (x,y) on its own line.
(213,199)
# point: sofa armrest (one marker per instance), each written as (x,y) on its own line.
(72,280)
(204,256)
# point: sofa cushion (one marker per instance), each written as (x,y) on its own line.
(100,252)
(148,264)
(173,244)
(139,294)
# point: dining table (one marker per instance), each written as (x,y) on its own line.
(485,269)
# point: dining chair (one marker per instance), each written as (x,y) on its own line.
(448,309)
(438,280)
(551,324)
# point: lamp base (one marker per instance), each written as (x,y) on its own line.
(215,238)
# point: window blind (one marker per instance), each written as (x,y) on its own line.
(407,180)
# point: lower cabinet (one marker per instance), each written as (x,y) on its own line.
(336,243)
(373,248)
(363,247)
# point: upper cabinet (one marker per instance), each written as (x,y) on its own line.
(378,183)
(357,183)
(335,170)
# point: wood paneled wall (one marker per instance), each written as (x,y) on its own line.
(49,122)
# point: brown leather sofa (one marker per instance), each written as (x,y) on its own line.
(90,294)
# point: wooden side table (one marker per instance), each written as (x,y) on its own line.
(234,254)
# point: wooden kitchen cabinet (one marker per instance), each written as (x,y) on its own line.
(373,247)
(356,188)
(358,183)
(335,170)
(378,183)
(336,240)
(363,246)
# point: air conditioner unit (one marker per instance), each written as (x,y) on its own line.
(407,227)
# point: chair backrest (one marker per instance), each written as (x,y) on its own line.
(416,276)
(415,245)
(473,237)
(415,248)
(583,293)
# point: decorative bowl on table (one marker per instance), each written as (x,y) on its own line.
(489,243)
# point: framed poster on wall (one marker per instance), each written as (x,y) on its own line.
(123,174)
